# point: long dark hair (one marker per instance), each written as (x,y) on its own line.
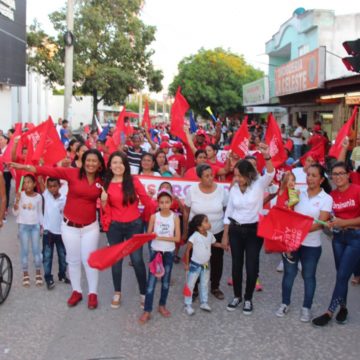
(152,158)
(195,223)
(247,170)
(325,184)
(101,172)
(128,189)
(79,146)
(156,166)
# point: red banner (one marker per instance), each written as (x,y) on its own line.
(240,142)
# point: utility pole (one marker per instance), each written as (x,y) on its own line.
(69,55)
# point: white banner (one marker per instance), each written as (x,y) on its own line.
(180,186)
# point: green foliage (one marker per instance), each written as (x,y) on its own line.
(214,78)
(112,58)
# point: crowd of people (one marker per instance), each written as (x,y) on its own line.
(92,190)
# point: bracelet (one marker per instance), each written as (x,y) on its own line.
(268,158)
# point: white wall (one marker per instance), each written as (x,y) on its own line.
(5,107)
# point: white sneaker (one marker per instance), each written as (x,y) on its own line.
(205,307)
(142,301)
(305,315)
(282,311)
(299,266)
(189,310)
(280,267)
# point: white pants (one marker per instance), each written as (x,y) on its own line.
(79,243)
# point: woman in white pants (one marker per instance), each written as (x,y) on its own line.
(80,229)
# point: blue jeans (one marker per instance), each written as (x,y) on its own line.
(30,233)
(196,270)
(118,233)
(168,260)
(297,151)
(346,247)
(309,257)
(49,240)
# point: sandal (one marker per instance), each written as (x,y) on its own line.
(144,318)
(164,311)
(26,281)
(39,280)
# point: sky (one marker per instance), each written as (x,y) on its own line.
(185,26)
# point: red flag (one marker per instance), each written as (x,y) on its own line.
(119,132)
(129,129)
(177,116)
(108,256)
(289,145)
(274,140)
(283,230)
(146,118)
(344,131)
(317,152)
(240,141)
(43,142)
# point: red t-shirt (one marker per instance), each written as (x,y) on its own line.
(190,174)
(218,163)
(282,199)
(129,212)
(177,162)
(315,139)
(346,203)
(355,177)
(80,206)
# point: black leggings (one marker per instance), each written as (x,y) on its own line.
(7,179)
(244,241)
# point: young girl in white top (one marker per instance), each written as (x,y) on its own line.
(166,225)
(200,242)
(28,212)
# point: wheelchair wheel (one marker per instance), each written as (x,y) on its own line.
(6,276)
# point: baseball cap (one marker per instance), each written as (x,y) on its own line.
(164,145)
(201,132)
(164,192)
(177,145)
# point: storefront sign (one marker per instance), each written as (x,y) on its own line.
(256,92)
(352,100)
(304,73)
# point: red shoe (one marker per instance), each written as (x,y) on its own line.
(92,301)
(74,298)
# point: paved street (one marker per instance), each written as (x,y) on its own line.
(36,323)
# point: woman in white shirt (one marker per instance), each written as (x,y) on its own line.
(208,198)
(314,202)
(241,220)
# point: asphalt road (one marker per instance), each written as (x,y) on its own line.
(36,323)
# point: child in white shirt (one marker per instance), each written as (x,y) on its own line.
(200,242)
(29,216)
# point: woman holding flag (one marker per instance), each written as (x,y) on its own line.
(80,228)
(120,201)
(314,202)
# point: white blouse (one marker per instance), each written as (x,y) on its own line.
(245,207)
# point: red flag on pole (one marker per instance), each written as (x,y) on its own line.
(108,256)
(177,116)
(274,140)
(119,132)
(240,141)
(43,142)
(317,152)
(146,118)
(344,131)
(283,230)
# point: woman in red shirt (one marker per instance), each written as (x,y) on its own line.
(120,198)
(346,241)
(80,228)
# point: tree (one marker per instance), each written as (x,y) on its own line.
(214,78)
(112,58)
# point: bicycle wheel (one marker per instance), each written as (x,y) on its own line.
(6,276)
